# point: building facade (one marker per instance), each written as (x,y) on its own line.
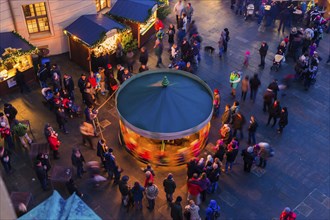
(41,22)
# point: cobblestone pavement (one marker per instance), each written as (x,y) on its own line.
(297,176)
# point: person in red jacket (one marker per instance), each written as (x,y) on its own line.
(92,80)
(149,178)
(194,189)
(287,214)
(158,24)
(54,144)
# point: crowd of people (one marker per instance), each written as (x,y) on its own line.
(184,45)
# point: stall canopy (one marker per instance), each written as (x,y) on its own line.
(90,28)
(134,10)
(181,108)
(55,207)
(12,40)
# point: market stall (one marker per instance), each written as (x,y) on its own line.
(139,15)
(164,116)
(93,40)
(16,55)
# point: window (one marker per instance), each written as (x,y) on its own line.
(101,4)
(36,17)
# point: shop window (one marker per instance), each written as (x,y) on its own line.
(102,4)
(36,17)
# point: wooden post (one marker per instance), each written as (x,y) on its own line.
(89,59)
(68,37)
(139,36)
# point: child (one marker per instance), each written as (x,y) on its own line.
(234,79)
(216,103)
(246,58)
(98,81)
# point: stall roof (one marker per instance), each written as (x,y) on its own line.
(55,207)
(89,28)
(153,111)
(9,39)
(135,10)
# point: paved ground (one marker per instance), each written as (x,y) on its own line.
(298,175)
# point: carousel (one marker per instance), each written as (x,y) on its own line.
(164,116)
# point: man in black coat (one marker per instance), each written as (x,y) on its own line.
(248,158)
(254,86)
(20,80)
(120,73)
(124,190)
(274,112)
(61,119)
(10,111)
(88,97)
(263,52)
(69,85)
(43,74)
(274,87)
(238,122)
(82,83)
(101,150)
(268,99)
(143,56)
(283,120)
(176,209)
(169,187)
(41,174)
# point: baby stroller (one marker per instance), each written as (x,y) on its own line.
(71,108)
(48,95)
(277,62)
(249,11)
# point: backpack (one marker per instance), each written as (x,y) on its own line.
(215,214)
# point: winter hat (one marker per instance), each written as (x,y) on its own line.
(213,204)
(3,124)
(287,209)
(250,149)
(178,199)
(125,178)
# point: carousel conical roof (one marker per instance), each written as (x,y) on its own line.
(165,109)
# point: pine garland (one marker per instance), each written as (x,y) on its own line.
(11,54)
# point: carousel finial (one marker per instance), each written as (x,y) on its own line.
(165,82)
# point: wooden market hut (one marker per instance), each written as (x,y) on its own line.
(16,54)
(89,34)
(137,14)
